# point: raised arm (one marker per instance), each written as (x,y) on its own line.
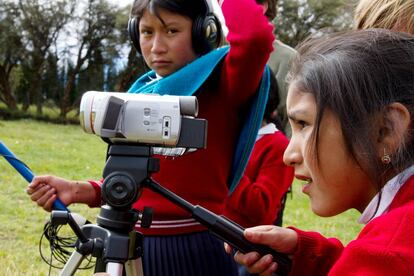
(250,38)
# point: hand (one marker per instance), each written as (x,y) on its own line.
(44,190)
(283,240)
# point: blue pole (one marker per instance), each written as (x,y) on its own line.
(26,172)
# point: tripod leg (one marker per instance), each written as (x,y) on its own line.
(114,269)
(134,267)
(72,264)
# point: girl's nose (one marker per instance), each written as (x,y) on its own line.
(158,44)
(293,155)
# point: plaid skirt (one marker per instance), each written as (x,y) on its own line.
(190,254)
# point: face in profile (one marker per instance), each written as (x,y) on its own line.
(335,183)
(166,46)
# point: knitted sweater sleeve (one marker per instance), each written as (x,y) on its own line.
(315,254)
(384,247)
(97,188)
(250,38)
(360,258)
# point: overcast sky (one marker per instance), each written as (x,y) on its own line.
(121,3)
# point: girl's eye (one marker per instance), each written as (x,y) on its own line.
(302,124)
(145,32)
(172,31)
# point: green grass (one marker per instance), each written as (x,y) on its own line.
(68,152)
(298,214)
(47,149)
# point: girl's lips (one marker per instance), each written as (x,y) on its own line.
(303,178)
(160,63)
(306,187)
(307,183)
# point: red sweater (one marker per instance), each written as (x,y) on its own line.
(385,245)
(201,177)
(257,198)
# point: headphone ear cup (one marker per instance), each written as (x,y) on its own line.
(133,30)
(212,31)
(206,34)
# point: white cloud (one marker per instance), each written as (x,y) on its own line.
(120,3)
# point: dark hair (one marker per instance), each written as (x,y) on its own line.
(189,8)
(271,8)
(272,103)
(356,75)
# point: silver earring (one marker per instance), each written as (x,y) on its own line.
(385,159)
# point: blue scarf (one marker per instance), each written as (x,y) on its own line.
(187,81)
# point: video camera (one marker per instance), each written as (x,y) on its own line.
(148,119)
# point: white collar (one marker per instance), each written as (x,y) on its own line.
(270,128)
(157,78)
(388,193)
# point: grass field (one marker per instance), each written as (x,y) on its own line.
(70,153)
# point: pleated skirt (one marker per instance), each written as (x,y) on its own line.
(189,254)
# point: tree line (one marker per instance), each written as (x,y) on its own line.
(51,52)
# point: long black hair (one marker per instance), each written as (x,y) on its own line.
(270,114)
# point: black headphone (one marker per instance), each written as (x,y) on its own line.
(206,32)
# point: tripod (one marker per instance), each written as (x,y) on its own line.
(114,242)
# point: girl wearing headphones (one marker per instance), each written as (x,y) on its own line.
(351,107)
(171,35)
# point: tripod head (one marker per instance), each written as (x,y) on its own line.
(126,168)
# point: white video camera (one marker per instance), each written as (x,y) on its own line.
(165,121)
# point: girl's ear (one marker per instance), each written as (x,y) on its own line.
(392,128)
